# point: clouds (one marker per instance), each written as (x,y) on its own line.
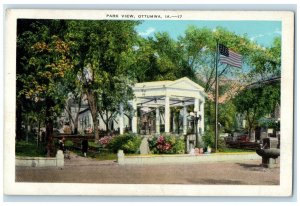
(276,32)
(148,32)
(253,38)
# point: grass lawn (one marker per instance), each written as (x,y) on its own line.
(102,155)
(234,150)
(29,149)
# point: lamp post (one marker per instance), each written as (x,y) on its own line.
(196,118)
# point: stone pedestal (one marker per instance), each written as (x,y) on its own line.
(59,158)
(144,147)
(269,162)
(121,157)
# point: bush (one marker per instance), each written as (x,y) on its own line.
(104,141)
(166,144)
(209,140)
(94,146)
(69,143)
(221,145)
(129,143)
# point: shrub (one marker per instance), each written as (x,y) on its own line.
(179,146)
(129,143)
(166,144)
(93,144)
(104,141)
(221,145)
(69,143)
(209,140)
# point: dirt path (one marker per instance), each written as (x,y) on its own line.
(85,170)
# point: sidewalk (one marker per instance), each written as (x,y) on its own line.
(85,170)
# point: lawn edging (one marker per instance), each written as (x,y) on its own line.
(184,158)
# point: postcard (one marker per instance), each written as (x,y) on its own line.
(148,103)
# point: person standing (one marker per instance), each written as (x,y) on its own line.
(84,146)
(62,144)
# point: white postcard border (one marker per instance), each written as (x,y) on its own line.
(287,79)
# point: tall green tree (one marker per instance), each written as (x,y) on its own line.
(199,46)
(256,102)
(42,62)
(261,98)
(266,62)
(160,58)
(105,55)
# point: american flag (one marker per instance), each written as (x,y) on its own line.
(229,57)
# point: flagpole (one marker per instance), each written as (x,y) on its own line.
(216,98)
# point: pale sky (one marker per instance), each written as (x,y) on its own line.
(262,32)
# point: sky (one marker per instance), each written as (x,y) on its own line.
(262,32)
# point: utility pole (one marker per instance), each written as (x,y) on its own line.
(216,98)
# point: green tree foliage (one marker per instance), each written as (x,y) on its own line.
(260,99)
(227,113)
(101,60)
(160,58)
(199,49)
(266,62)
(104,50)
(42,62)
(256,102)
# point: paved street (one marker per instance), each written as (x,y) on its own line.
(85,170)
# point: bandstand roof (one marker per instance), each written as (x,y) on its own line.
(181,92)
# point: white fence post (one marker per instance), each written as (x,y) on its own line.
(60,158)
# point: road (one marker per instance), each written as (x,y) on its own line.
(85,170)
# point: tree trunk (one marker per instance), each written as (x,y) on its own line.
(49,128)
(107,126)
(19,121)
(77,116)
(49,138)
(93,107)
(172,125)
(38,132)
(26,128)
(71,120)
(178,123)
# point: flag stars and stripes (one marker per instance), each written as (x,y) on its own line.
(229,57)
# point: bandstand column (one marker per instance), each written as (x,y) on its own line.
(134,117)
(157,121)
(121,119)
(184,120)
(196,110)
(202,117)
(167,114)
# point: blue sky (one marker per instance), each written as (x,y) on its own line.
(262,32)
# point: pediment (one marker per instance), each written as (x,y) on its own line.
(185,83)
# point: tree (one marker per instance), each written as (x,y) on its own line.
(199,46)
(105,55)
(256,102)
(227,113)
(42,62)
(160,58)
(260,99)
(266,62)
